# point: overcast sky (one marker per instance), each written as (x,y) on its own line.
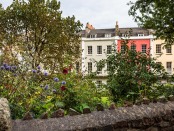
(99,13)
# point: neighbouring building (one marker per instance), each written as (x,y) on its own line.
(97,44)
(163,55)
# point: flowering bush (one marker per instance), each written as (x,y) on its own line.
(39,92)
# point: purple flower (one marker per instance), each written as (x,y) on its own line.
(8,67)
(2,67)
(54,91)
(46,87)
(56,79)
(63,82)
(14,74)
(38,67)
(45,74)
(34,71)
(5,65)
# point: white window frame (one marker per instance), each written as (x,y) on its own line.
(99,50)
(144,50)
(158,48)
(109,49)
(89,51)
(133,47)
(107,35)
(89,67)
(108,66)
(98,83)
(169,69)
(140,34)
(169,49)
(93,36)
(99,70)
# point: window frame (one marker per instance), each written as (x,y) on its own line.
(99,83)
(170,69)
(141,34)
(133,47)
(158,48)
(168,49)
(89,67)
(123,49)
(99,52)
(142,49)
(109,49)
(90,52)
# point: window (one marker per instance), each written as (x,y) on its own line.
(169,67)
(99,70)
(140,34)
(99,83)
(123,48)
(89,49)
(99,49)
(168,49)
(93,36)
(77,66)
(108,66)
(159,63)
(158,48)
(143,48)
(109,49)
(133,47)
(107,35)
(89,67)
(125,35)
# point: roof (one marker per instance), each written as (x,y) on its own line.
(134,31)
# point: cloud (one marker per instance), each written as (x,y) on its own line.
(100,13)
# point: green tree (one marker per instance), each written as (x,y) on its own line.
(131,73)
(36,32)
(157,15)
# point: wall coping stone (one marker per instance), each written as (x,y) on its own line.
(146,116)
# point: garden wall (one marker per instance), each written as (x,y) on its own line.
(5,121)
(149,117)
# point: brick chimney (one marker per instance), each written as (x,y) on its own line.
(116,29)
(89,27)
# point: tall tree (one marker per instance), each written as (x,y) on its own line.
(157,15)
(36,32)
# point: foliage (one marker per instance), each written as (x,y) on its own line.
(158,90)
(157,15)
(131,73)
(38,92)
(34,32)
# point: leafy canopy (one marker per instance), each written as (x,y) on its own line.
(157,15)
(130,73)
(36,32)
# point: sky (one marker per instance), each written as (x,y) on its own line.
(100,13)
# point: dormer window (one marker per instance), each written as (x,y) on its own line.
(107,35)
(140,34)
(93,36)
(125,35)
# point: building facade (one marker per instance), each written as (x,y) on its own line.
(97,44)
(164,55)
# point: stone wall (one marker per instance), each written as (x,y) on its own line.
(148,117)
(5,121)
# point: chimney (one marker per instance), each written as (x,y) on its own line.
(116,29)
(89,27)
